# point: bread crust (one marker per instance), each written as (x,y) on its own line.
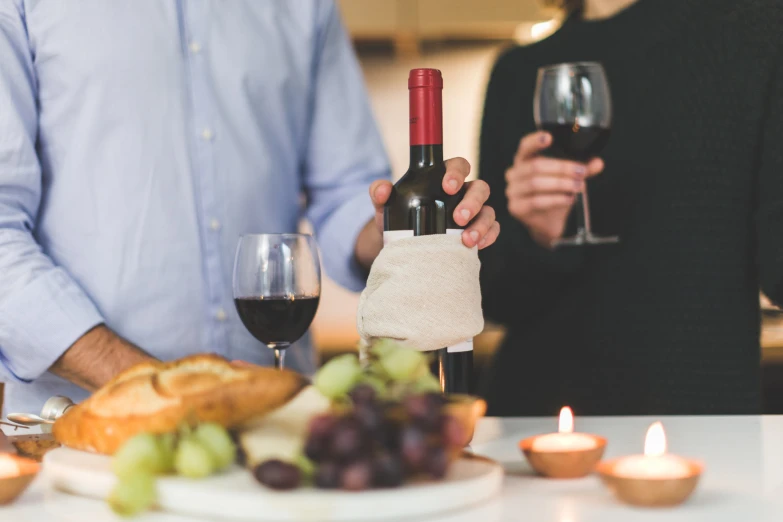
(157,397)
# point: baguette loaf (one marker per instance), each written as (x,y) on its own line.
(159,397)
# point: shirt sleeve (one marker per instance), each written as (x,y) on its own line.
(42,310)
(518,276)
(769,215)
(345,153)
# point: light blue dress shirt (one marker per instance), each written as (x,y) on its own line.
(138,140)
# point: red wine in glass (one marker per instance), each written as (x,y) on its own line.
(277,319)
(277,287)
(572,142)
(573,103)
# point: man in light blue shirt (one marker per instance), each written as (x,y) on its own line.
(138,140)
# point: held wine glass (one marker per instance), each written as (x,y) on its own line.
(573,103)
(277,286)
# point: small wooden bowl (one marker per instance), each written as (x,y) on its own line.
(563,464)
(12,487)
(650,492)
(467,409)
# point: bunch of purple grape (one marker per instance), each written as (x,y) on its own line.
(375,444)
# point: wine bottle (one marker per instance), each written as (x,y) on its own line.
(419,206)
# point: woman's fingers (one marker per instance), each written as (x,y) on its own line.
(539,203)
(548,167)
(531,145)
(543,185)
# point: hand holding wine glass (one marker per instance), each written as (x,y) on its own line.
(573,104)
(541,191)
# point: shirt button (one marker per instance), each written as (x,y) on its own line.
(195,47)
(207,134)
(214,224)
(220,315)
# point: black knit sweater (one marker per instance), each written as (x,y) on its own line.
(667,321)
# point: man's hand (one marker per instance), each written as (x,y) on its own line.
(541,191)
(96,357)
(481,229)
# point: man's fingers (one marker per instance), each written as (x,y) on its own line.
(475,197)
(457,171)
(479,228)
(380,190)
(490,237)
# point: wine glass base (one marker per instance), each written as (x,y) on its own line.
(586,239)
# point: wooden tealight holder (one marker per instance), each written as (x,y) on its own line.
(13,486)
(563,464)
(650,492)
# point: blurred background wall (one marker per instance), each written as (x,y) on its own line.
(462,38)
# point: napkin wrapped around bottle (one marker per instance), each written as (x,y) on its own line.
(424,292)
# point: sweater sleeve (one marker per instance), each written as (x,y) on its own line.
(769,214)
(518,276)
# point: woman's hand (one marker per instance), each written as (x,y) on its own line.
(541,191)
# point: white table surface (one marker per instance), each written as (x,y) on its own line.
(743,480)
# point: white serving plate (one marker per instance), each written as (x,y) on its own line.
(236,495)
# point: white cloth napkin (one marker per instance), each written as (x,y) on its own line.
(423,291)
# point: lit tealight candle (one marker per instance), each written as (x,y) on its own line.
(564,454)
(8,467)
(565,439)
(655,463)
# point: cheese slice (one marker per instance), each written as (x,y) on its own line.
(282,433)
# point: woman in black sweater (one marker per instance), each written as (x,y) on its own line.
(667,321)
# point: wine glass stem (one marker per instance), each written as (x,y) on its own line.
(279,354)
(583,215)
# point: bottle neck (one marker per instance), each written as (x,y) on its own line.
(423,156)
(426,122)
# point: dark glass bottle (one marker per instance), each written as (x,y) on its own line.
(419,206)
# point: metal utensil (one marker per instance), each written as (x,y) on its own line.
(55,407)
(12,425)
(28,419)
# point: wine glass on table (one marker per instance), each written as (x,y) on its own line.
(277,287)
(574,105)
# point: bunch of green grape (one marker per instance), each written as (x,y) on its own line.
(393,370)
(192,453)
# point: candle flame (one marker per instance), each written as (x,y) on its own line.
(655,441)
(566,424)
